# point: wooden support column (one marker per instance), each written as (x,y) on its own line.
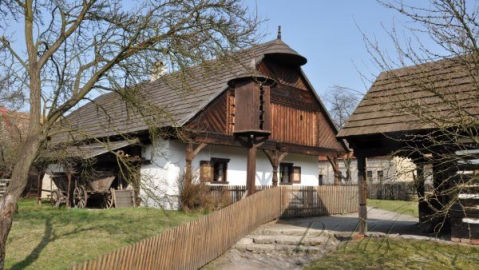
(335,165)
(69,185)
(362,193)
(275,157)
(251,170)
(191,153)
(422,203)
(39,187)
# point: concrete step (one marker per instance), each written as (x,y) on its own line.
(292,239)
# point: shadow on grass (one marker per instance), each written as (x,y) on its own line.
(48,237)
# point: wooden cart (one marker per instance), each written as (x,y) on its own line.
(82,190)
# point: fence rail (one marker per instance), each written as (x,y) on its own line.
(318,201)
(405,191)
(193,244)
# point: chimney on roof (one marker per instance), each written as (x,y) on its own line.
(279,32)
(158,70)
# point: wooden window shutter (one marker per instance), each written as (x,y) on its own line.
(206,171)
(296,174)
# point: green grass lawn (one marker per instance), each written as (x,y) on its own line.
(386,253)
(43,237)
(402,207)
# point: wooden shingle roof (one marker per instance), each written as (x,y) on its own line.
(176,101)
(419,97)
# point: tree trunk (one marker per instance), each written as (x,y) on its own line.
(18,182)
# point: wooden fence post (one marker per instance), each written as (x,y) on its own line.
(362,193)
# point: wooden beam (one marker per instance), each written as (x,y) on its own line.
(39,187)
(275,157)
(251,170)
(69,186)
(362,193)
(191,153)
(337,172)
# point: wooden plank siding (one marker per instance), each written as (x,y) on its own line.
(296,115)
(294,126)
(214,118)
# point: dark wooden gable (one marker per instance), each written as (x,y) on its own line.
(296,115)
(214,117)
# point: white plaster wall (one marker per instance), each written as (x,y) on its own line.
(160,180)
(236,172)
(47,184)
(395,169)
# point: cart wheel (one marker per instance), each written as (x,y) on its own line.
(55,198)
(80,197)
(108,200)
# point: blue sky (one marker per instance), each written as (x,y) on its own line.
(327,34)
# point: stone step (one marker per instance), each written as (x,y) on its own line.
(292,239)
(291,231)
(267,248)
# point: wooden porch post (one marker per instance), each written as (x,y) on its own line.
(251,170)
(39,187)
(191,153)
(69,185)
(189,160)
(334,163)
(422,204)
(362,192)
(275,157)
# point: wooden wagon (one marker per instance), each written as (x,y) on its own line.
(84,188)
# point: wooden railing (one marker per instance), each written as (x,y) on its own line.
(406,191)
(318,201)
(193,244)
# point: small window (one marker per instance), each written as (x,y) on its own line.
(369,176)
(220,167)
(286,171)
(206,171)
(296,175)
(380,176)
(320,179)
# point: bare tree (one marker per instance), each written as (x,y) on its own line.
(442,96)
(77,49)
(341,102)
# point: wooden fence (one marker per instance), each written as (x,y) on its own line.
(193,244)
(318,201)
(405,191)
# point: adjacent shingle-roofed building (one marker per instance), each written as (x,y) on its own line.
(430,113)
(397,97)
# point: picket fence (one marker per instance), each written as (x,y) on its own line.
(194,244)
